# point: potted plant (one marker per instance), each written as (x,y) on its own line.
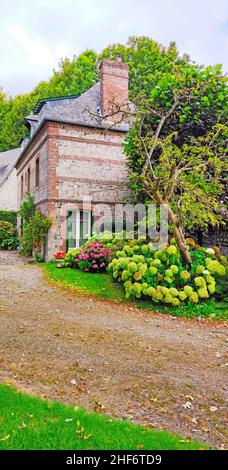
(59,257)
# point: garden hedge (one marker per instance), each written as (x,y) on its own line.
(9,216)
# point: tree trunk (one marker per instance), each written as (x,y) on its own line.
(178,235)
(177,231)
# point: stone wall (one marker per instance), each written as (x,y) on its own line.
(76,162)
(217,237)
(37,149)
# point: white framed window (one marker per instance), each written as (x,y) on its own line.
(79,225)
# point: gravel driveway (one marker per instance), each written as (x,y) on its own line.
(161,371)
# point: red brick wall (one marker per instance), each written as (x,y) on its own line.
(114,86)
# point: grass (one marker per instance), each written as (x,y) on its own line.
(211,309)
(30,423)
(95,284)
(100,285)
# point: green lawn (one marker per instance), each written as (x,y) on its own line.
(102,286)
(97,285)
(28,422)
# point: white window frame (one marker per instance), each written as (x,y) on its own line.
(77,225)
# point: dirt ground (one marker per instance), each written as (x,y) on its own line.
(156,370)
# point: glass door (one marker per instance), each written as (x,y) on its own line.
(78,228)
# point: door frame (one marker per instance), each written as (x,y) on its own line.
(78,227)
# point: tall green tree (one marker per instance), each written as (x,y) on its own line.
(73,78)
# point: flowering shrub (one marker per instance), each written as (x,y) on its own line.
(93,257)
(108,241)
(7,230)
(59,255)
(69,261)
(161,276)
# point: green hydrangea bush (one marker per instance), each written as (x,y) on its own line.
(161,276)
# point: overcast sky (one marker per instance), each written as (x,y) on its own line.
(36,34)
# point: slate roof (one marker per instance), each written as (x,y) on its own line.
(7,163)
(81,110)
(40,103)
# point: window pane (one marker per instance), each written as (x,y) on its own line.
(71,230)
(84,226)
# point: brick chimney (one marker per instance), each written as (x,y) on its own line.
(113,87)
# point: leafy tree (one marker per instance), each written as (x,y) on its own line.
(182,165)
(176,147)
(27,208)
(73,77)
(76,76)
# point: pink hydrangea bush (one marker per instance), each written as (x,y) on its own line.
(94,257)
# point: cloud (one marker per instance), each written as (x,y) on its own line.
(35,35)
(37,53)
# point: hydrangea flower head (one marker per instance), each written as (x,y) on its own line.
(174,269)
(210,251)
(194,298)
(171,250)
(200,281)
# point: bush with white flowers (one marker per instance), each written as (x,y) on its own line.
(159,275)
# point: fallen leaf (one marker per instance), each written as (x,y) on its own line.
(22,425)
(194,420)
(98,406)
(5,438)
(153,398)
(187,405)
(204,429)
(213,408)
(189,397)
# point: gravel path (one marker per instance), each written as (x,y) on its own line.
(156,370)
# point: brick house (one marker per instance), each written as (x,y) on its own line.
(73,153)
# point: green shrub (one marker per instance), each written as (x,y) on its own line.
(161,276)
(70,258)
(7,230)
(35,229)
(221,288)
(9,216)
(35,234)
(10,243)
